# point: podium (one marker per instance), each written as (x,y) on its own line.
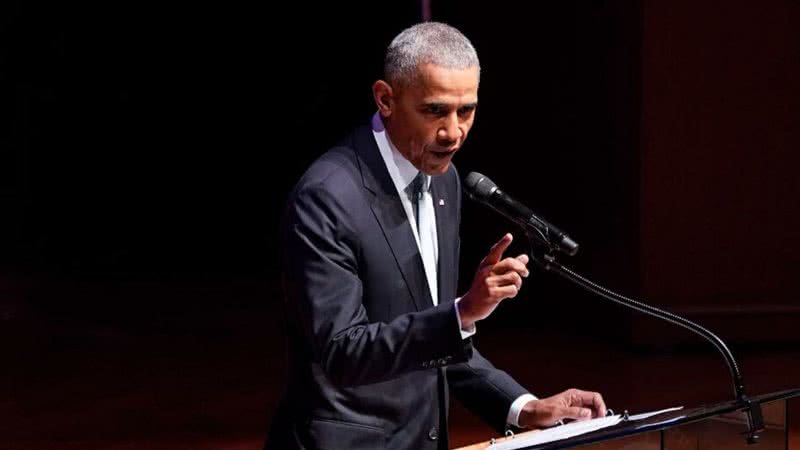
(709,427)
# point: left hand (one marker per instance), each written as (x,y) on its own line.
(570,404)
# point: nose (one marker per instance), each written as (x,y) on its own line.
(450,130)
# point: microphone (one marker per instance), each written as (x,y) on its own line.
(481,188)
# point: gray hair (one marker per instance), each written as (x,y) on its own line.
(427,43)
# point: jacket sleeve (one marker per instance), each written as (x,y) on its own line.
(485,390)
(324,296)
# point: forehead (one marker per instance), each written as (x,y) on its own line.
(440,84)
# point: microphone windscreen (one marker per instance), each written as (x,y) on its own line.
(479,185)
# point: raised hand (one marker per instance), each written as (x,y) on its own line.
(496,279)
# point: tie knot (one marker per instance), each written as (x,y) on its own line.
(421,183)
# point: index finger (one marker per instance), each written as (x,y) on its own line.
(595,400)
(496,252)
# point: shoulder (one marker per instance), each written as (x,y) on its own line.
(335,173)
(333,180)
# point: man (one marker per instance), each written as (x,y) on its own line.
(377,338)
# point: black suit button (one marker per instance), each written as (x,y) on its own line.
(433,434)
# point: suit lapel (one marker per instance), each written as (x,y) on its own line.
(388,210)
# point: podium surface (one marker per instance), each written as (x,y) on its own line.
(719,427)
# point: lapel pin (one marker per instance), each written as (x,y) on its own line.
(441,202)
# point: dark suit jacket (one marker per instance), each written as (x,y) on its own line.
(371,360)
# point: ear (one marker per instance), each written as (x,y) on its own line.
(383,94)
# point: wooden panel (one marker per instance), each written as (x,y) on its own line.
(735,324)
(793,423)
(719,184)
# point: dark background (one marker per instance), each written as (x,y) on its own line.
(147,144)
(146,150)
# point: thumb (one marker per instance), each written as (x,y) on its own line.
(496,252)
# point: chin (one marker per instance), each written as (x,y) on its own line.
(437,170)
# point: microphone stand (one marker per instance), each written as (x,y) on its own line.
(544,259)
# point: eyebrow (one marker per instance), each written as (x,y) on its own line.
(448,105)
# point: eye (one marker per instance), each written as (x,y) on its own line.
(466,110)
(435,109)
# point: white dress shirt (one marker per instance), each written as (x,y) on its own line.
(403,173)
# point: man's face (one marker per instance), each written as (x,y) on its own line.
(428,119)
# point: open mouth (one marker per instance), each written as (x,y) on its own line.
(443,153)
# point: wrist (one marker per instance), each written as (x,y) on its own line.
(515,410)
(531,415)
(464,313)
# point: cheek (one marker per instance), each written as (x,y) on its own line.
(424,136)
(467,126)
(431,134)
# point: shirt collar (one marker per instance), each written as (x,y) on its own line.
(400,169)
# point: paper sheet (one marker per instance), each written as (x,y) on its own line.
(570,430)
(556,433)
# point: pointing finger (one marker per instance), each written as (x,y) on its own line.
(496,252)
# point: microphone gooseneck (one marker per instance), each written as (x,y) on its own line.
(753,409)
(482,189)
